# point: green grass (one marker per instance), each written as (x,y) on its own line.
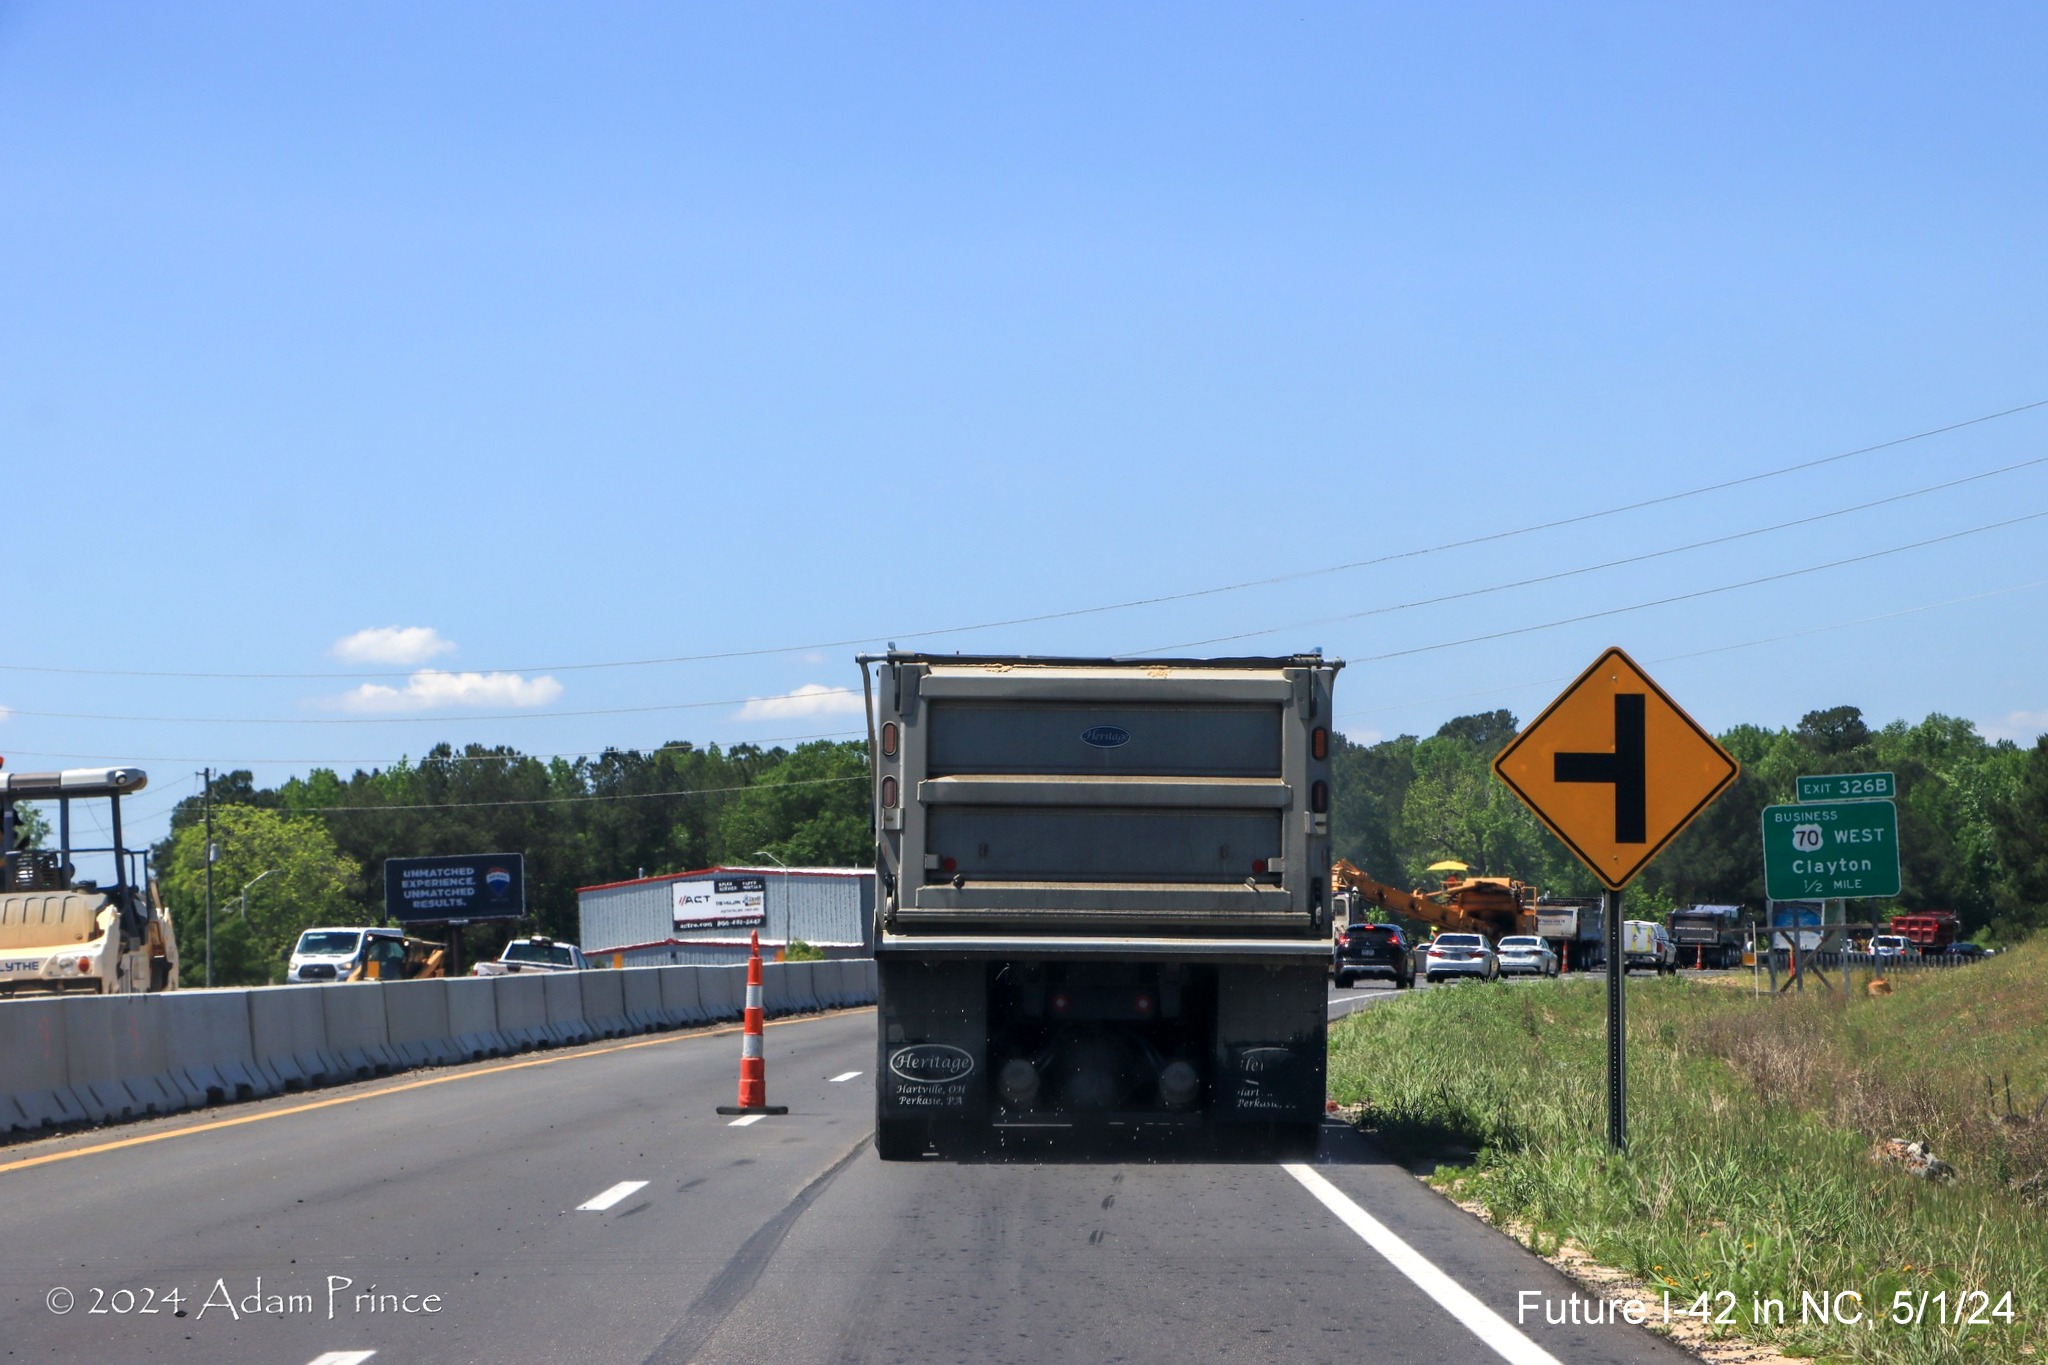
(1750,1126)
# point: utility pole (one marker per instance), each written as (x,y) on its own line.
(206,799)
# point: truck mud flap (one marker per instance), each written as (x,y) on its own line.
(933,1037)
(1271,1052)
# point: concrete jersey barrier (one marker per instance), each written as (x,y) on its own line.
(416,1026)
(74,1059)
(475,1030)
(356,1036)
(288,1033)
(723,991)
(522,1009)
(601,1002)
(566,1024)
(679,998)
(207,1047)
(641,987)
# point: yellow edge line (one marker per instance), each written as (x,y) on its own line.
(478,1074)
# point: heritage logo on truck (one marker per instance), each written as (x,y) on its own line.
(931,1063)
(1105,736)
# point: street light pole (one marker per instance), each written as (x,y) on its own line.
(244,897)
(764,853)
(207,799)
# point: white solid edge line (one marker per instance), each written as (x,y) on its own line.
(1489,1326)
(741,1123)
(612,1196)
(341,1358)
(844,1076)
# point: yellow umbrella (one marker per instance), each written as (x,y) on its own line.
(1447,866)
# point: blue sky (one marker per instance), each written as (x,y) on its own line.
(526,337)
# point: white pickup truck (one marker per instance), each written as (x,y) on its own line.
(535,955)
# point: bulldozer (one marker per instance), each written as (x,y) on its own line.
(1492,906)
(61,932)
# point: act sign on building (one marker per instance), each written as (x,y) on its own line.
(1615,768)
(721,903)
(1831,850)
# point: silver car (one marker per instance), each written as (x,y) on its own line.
(1526,953)
(1460,955)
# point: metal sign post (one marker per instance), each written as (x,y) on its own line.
(1616,769)
(1617,1026)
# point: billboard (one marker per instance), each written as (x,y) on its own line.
(721,903)
(455,890)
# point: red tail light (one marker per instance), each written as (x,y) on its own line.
(1143,1004)
(889,739)
(1319,743)
(949,864)
(889,793)
(1258,867)
(1319,798)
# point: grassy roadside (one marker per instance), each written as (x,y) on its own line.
(1751,1123)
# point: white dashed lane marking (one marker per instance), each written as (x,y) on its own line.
(341,1358)
(844,1076)
(612,1196)
(741,1123)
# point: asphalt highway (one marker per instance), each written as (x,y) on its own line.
(441,1216)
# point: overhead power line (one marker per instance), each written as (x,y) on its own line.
(1607,564)
(1461,543)
(592,796)
(1246,635)
(1503,688)
(1494,691)
(1693,596)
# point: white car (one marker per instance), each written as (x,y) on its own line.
(1893,946)
(1460,955)
(1526,953)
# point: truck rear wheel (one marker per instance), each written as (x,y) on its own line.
(899,1139)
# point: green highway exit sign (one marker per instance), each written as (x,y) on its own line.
(1848,787)
(1831,850)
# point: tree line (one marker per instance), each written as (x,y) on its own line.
(311,851)
(1973,816)
(1973,825)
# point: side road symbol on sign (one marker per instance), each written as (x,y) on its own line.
(1622,769)
(1615,768)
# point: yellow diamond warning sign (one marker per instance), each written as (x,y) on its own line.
(1615,768)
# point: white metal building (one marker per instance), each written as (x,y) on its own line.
(705,916)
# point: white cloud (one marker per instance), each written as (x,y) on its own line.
(430,689)
(1365,738)
(2020,726)
(812,699)
(402,645)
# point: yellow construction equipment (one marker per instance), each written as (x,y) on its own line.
(1473,905)
(62,932)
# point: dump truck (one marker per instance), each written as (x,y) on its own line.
(1575,927)
(1930,930)
(1102,895)
(59,931)
(1707,935)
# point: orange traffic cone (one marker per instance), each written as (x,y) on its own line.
(753,1066)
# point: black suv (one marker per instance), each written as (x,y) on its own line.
(1374,950)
